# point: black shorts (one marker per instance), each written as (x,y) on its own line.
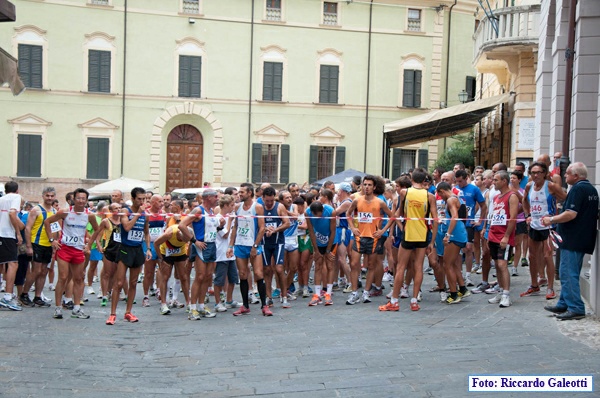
(131,256)
(8,250)
(42,254)
(379,248)
(171,260)
(272,252)
(323,249)
(499,254)
(521,228)
(21,275)
(539,235)
(365,245)
(414,245)
(470,234)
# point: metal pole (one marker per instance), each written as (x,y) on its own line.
(249,159)
(368,86)
(124,88)
(569,56)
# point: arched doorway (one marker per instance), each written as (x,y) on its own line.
(184,158)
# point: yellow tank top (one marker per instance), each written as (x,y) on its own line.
(415,206)
(173,247)
(38,232)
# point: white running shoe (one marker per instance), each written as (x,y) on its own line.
(90,290)
(514,272)
(469,282)
(505,301)
(496,299)
(220,307)
(403,292)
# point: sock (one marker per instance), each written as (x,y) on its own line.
(76,308)
(176,289)
(244,291)
(146,296)
(505,293)
(201,307)
(413,300)
(394,300)
(454,295)
(462,289)
(192,307)
(7,296)
(68,300)
(262,291)
(467,274)
(318,290)
(329,288)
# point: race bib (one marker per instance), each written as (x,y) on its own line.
(155,233)
(135,236)
(323,239)
(271,225)
(55,227)
(173,251)
(243,231)
(499,219)
(469,209)
(117,237)
(366,218)
(210,236)
(71,240)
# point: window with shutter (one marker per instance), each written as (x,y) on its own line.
(272,81)
(270,163)
(30,65)
(29,155)
(99,65)
(330,15)
(471,88)
(328,87)
(411,96)
(190,70)
(97,158)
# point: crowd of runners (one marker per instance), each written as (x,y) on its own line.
(279,246)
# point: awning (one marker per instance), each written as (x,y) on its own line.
(7,11)
(441,123)
(9,73)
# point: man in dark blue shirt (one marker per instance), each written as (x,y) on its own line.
(578,228)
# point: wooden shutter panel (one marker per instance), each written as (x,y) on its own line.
(268,81)
(324,85)
(409,88)
(104,76)
(313,163)
(256,163)
(29,155)
(36,67)
(396,163)
(417,96)
(25,64)
(184,72)
(423,159)
(340,159)
(471,88)
(195,75)
(277,81)
(93,71)
(97,158)
(334,72)
(284,168)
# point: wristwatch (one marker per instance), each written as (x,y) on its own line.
(51,240)
(255,246)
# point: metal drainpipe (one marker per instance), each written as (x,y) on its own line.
(249,160)
(448,48)
(368,86)
(124,87)
(569,55)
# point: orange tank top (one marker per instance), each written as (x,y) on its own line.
(367,213)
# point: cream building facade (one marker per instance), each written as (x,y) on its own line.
(184,91)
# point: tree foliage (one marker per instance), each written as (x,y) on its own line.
(461,151)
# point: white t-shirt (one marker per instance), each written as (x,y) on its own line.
(8,202)
(223,243)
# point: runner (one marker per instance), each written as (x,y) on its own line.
(70,249)
(10,205)
(291,255)
(156,226)
(226,274)
(321,229)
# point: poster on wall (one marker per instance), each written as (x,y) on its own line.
(526,133)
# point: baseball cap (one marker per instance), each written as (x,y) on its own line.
(344,186)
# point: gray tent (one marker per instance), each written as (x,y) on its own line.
(344,176)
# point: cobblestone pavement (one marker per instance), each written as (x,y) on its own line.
(337,351)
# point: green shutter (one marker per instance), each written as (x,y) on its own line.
(30,65)
(25,64)
(195,74)
(104,73)
(97,158)
(417,96)
(268,81)
(423,155)
(284,168)
(328,85)
(334,72)
(190,72)
(256,163)
(184,72)
(277,81)
(93,71)
(36,66)
(313,163)
(29,155)
(340,159)
(324,85)
(396,163)
(409,88)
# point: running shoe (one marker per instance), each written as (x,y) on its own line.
(305,293)
(542,282)
(496,299)
(276,293)
(420,296)
(164,309)
(524,262)
(152,292)
(206,299)
(348,289)
(443,296)
(25,301)
(374,292)
(96,279)
(90,290)
(176,304)
(220,307)
(505,301)
(205,313)
(68,305)
(130,317)
(531,291)
(493,289)
(242,311)
(316,300)
(51,287)
(269,301)
(451,300)
(475,268)
(403,292)
(464,294)
(253,299)
(514,272)
(104,302)
(550,294)
(328,300)
(414,306)
(232,304)
(285,304)
(79,314)
(38,301)
(390,307)
(146,302)
(365,297)
(481,288)
(46,299)
(389,295)
(58,313)
(211,291)
(291,296)
(353,299)
(387,277)
(195,315)
(469,282)
(266,311)
(112,318)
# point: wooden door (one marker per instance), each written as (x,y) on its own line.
(184,158)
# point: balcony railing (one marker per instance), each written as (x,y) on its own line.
(510,26)
(273,14)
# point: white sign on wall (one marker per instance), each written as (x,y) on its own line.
(526,133)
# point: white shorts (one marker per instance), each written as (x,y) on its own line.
(291,243)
